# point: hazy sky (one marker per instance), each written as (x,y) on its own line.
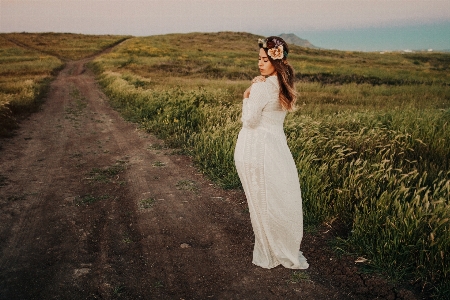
(320,21)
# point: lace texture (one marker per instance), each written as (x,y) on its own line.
(269,177)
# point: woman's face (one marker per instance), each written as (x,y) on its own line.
(265,66)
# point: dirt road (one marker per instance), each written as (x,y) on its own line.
(92,208)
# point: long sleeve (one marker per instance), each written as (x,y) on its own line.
(253,106)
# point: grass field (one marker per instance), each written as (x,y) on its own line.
(370,137)
(28,62)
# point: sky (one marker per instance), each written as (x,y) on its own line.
(362,25)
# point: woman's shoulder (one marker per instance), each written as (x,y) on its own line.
(269,85)
(267,89)
(269,82)
(272,80)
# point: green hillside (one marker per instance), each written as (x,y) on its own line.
(370,136)
(29,61)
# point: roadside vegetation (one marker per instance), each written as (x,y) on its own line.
(370,138)
(28,63)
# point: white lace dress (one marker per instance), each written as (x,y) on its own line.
(270,180)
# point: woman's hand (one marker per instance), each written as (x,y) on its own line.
(247,92)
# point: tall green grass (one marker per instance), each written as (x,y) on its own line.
(24,78)
(372,146)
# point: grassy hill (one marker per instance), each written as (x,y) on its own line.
(370,136)
(291,38)
(29,61)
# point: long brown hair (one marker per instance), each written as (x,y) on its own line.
(285,72)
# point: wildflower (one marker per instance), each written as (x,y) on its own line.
(276,53)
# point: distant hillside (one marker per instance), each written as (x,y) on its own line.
(291,38)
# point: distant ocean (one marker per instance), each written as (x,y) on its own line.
(416,37)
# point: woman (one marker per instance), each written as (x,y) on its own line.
(265,164)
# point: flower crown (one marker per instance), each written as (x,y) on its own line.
(275,48)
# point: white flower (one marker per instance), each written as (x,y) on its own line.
(263,42)
(276,53)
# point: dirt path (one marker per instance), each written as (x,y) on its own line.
(92,208)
